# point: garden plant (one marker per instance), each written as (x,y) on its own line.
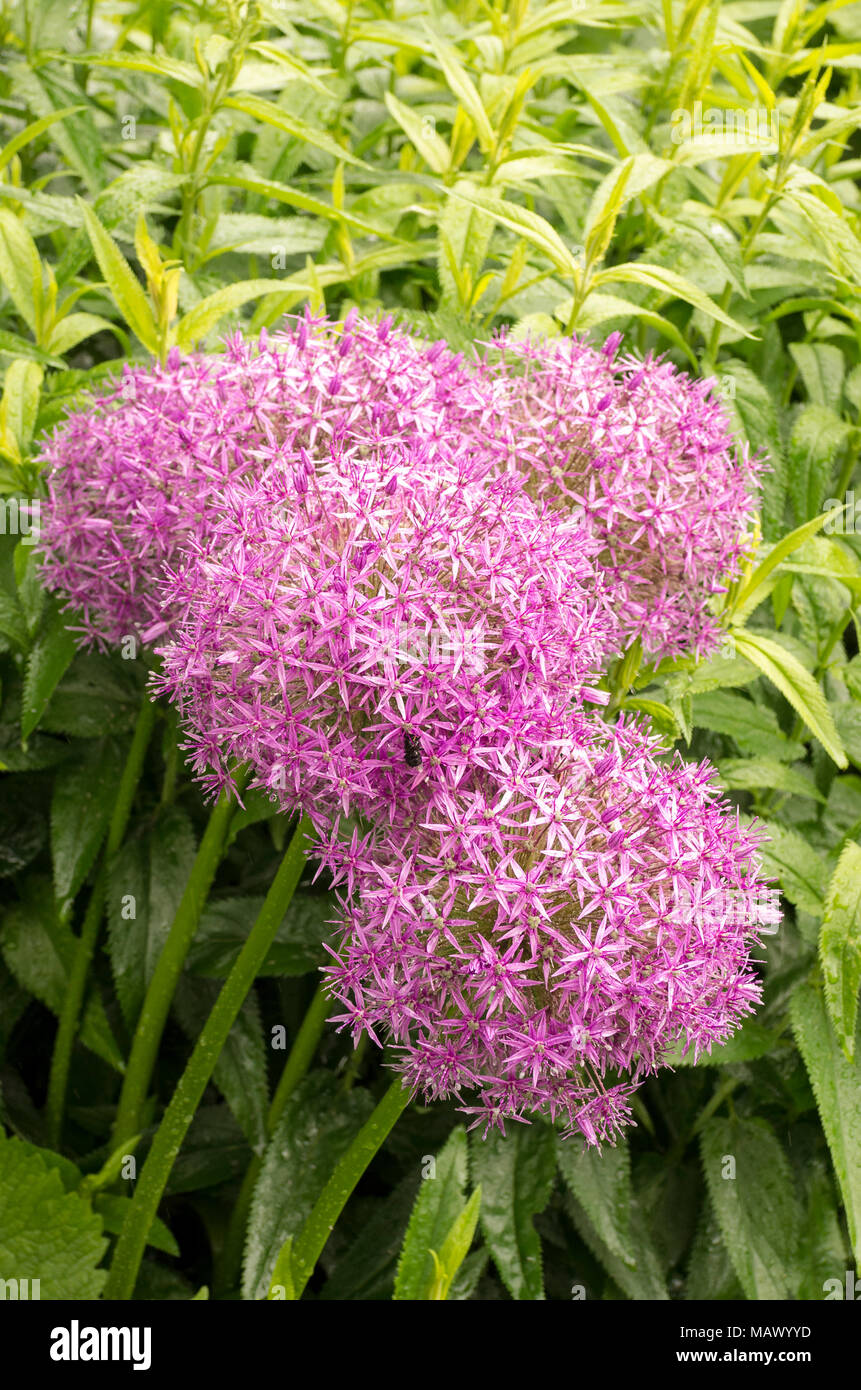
(430,689)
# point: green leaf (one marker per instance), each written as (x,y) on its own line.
(432,148)
(296,950)
(20,404)
(752,412)
(754,728)
(48,1234)
(601,1183)
(803,875)
(147,881)
(669,283)
(74,329)
(33,131)
(822,369)
(817,435)
(515,1173)
(836,1084)
(240,1072)
(39,950)
(21,269)
(454,1249)
(437,1205)
(746,598)
(751,774)
(796,684)
(840,945)
(461,84)
(81,806)
(316,1128)
(752,1193)
(643,1280)
(533,228)
(271,114)
(201,320)
(50,657)
(122,282)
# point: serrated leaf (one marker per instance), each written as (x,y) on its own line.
(753,727)
(296,950)
(316,1128)
(240,1072)
(49,658)
(601,1183)
(439,1200)
(836,1084)
(39,950)
(515,1173)
(840,945)
(122,282)
(81,807)
(803,875)
(201,320)
(46,1233)
(817,434)
(432,148)
(454,1250)
(752,1193)
(751,774)
(796,684)
(147,880)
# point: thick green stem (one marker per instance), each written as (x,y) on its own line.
(192,1084)
(309,1244)
(165,978)
(298,1061)
(74,995)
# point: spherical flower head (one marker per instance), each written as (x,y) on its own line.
(353,631)
(541,935)
(130,479)
(136,477)
(322,384)
(646,453)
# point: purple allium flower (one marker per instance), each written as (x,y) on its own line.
(353,630)
(546,929)
(647,453)
(138,474)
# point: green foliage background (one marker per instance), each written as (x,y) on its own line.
(169,171)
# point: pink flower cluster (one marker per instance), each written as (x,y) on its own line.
(388,582)
(646,454)
(358,628)
(541,934)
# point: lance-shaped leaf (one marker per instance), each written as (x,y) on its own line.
(439,1200)
(797,685)
(840,945)
(751,1187)
(836,1084)
(122,282)
(515,1172)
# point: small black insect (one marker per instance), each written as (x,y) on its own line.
(412,750)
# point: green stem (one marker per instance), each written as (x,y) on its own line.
(86,944)
(309,1244)
(192,1084)
(165,978)
(297,1064)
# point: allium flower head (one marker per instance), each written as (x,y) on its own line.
(353,630)
(138,475)
(538,937)
(647,453)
